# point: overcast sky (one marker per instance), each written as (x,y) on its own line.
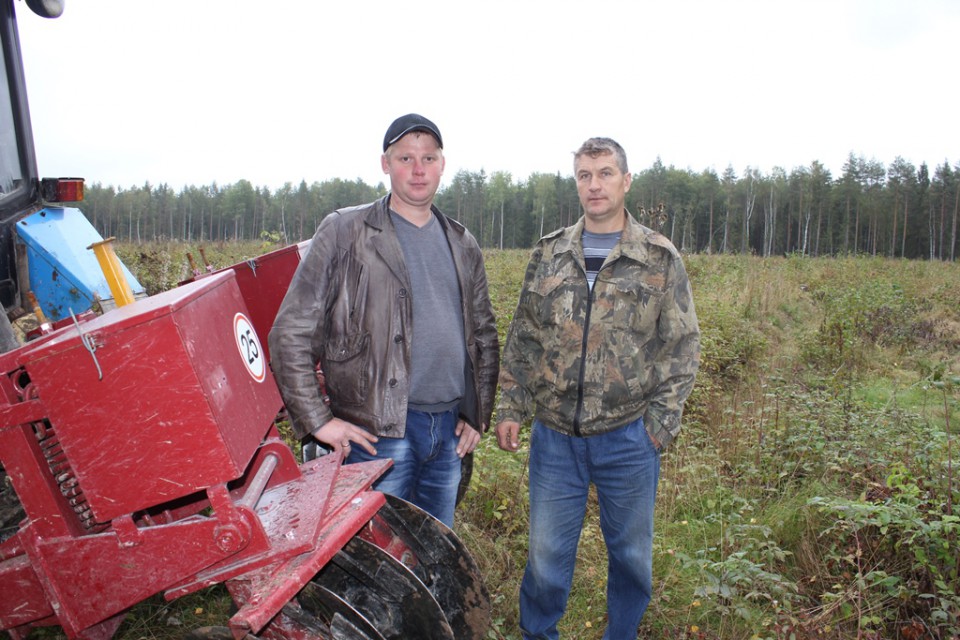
(195,91)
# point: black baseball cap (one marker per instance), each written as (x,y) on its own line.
(410,122)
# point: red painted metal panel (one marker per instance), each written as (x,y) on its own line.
(263,282)
(25,463)
(349,506)
(23,598)
(174,397)
(96,576)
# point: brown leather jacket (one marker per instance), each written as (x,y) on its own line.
(348,308)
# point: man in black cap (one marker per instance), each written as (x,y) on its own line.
(391,303)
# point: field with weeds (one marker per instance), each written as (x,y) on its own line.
(812,493)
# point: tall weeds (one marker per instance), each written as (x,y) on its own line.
(783,509)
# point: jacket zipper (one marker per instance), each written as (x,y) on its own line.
(583,362)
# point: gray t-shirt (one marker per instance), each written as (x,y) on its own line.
(438,354)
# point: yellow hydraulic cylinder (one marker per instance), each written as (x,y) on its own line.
(112,269)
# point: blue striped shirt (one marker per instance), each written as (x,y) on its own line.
(596,248)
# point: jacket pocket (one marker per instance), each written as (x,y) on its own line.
(558,300)
(345,368)
(636,306)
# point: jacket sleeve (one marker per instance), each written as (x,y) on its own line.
(678,358)
(296,339)
(487,341)
(521,353)
(487,344)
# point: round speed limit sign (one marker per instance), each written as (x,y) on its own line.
(249,346)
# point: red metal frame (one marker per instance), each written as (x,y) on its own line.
(143,447)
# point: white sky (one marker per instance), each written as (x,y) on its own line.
(195,91)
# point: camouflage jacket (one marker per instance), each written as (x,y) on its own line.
(584,363)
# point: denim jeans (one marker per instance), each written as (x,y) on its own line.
(625,468)
(426,467)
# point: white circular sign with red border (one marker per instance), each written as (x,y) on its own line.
(249,346)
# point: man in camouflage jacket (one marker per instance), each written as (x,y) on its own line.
(602,353)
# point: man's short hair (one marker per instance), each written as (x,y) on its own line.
(595,147)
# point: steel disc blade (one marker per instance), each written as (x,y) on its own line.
(387,594)
(343,621)
(443,564)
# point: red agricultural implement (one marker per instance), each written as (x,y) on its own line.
(144,449)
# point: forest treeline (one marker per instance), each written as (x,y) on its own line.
(900,210)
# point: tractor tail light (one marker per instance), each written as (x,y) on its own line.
(61,189)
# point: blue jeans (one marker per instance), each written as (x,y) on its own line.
(625,468)
(426,467)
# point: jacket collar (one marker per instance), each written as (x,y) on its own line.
(379,214)
(634,242)
(388,245)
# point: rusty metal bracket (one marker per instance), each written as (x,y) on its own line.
(88,344)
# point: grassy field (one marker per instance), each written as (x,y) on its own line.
(813,491)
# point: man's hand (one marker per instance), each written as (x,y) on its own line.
(469,437)
(339,434)
(656,443)
(508,435)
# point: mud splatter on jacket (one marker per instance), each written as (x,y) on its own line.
(584,363)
